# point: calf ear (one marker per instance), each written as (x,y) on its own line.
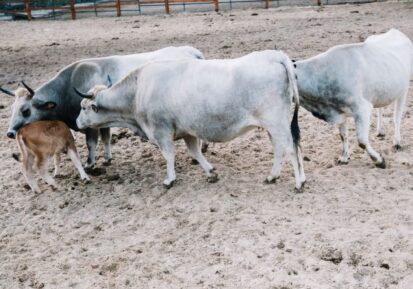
(43,104)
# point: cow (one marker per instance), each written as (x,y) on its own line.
(213,100)
(350,80)
(56,100)
(41,140)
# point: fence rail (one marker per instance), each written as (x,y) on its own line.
(26,9)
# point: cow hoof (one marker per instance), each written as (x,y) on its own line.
(168,186)
(213,178)
(107,163)
(381,165)
(397,147)
(194,162)
(342,162)
(381,135)
(89,168)
(270,180)
(299,190)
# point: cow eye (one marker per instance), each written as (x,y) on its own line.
(26,113)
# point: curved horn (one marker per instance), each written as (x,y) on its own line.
(109,81)
(31,91)
(84,95)
(7,91)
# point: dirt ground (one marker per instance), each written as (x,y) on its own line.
(351,228)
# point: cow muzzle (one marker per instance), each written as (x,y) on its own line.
(11,134)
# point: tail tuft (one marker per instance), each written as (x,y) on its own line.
(295,129)
(16,156)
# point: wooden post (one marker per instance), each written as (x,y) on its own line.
(28,9)
(319,2)
(216,5)
(118,8)
(72,9)
(266,4)
(166,6)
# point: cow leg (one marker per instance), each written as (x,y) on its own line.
(106,138)
(78,164)
(56,158)
(362,120)
(397,118)
(282,142)
(91,141)
(194,151)
(168,151)
(28,174)
(343,128)
(380,132)
(279,150)
(204,146)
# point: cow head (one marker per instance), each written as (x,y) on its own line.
(89,116)
(25,108)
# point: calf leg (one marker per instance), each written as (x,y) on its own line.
(397,118)
(380,132)
(194,151)
(40,165)
(78,164)
(56,164)
(343,128)
(362,120)
(91,141)
(106,138)
(28,174)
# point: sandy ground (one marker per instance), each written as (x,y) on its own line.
(351,228)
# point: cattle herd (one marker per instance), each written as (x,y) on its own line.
(174,93)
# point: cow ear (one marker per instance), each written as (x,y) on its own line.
(43,104)
(95,108)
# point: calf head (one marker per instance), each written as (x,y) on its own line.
(25,108)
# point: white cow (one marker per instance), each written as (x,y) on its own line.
(350,80)
(213,100)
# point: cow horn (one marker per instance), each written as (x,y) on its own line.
(31,91)
(84,95)
(7,91)
(109,81)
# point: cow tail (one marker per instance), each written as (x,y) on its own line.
(292,80)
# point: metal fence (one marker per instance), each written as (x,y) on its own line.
(30,9)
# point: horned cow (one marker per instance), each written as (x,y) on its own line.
(212,100)
(56,100)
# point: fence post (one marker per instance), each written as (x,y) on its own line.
(28,9)
(118,8)
(216,5)
(319,2)
(266,4)
(166,6)
(72,9)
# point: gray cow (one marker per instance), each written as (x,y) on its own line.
(56,99)
(350,80)
(213,100)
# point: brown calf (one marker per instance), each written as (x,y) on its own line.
(39,141)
